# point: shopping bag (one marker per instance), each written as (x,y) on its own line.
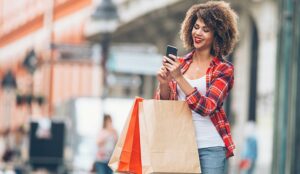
(167,137)
(126,156)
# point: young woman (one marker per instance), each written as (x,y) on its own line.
(203,78)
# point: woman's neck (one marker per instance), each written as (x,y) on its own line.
(202,56)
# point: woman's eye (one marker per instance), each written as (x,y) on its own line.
(206,30)
(196,27)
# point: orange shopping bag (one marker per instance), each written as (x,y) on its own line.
(127,154)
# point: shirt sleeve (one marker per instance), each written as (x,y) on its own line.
(157,93)
(207,104)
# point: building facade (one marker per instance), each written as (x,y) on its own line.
(44,28)
(287,114)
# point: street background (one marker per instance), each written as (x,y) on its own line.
(64,63)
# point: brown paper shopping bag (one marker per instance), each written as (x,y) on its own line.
(127,156)
(167,137)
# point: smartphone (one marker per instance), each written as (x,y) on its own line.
(171,50)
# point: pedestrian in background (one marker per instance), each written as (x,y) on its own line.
(106,142)
(203,78)
(250,150)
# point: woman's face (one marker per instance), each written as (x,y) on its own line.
(202,35)
(108,123)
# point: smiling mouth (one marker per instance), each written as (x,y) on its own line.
(198,40)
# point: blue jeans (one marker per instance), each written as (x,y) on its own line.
(102,168)
(213,160)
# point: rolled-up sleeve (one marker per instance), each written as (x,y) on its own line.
(157,93)
(206,104)
(172,92)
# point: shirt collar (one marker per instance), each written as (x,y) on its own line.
(189,59)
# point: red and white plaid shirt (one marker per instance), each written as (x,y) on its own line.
(219,81)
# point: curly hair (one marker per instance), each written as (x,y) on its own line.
(218,16)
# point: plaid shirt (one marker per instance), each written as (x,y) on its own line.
(219,81)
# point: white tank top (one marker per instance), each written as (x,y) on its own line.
(206,133)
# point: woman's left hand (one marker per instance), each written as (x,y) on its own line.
(173,66)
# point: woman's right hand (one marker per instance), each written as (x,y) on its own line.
(163,76)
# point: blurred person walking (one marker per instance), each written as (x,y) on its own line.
(106,142)
(250,150)
(203,78)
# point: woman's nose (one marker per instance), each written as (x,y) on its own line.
(199,32)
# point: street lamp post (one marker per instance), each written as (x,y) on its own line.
(9,86)
(9,81)
(105,43)
(104,21)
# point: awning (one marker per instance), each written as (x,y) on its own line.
(134,60)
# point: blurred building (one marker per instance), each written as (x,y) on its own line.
(48,33)
(81,51)
(286,151)
(53,52)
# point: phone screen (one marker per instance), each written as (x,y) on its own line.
(171,50)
